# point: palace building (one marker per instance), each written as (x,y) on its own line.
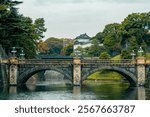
(82,41)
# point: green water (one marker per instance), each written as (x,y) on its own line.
(102,91)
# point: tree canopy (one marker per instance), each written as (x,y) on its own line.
(19,31)
(130,34)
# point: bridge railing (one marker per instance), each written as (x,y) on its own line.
(4,61)
(108,61)
(45,61)
(83,61)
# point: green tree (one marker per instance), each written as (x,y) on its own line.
(17,30)
(33,32)
(99,37)
(133,45)
(55,46)
(39,28)
(125,54)
(10,24)
(112,38)
(43,47)
(132,33)
(95,49)
(134,27)
(67,50)
(79,51)
(104,55)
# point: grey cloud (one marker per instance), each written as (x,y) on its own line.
(69,18)
(126,1)
(41,2)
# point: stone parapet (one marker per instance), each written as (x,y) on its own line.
(77,71)
(141,70)
(13,60)
(141,60)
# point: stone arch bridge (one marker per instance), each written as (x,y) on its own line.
(77,69)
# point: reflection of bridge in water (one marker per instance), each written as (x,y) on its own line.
(76,69)
(132,93)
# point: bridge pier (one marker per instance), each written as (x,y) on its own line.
(13,71)
(141,93)
(141,71)
(76,71)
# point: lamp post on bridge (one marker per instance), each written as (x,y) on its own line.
(141,69)
(13,68)
(133,54)
(140,51)
(14,51)
(22,54)
(78,53)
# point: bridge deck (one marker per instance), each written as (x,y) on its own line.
(102,61)
(83,62)
(70,61)
(45,61)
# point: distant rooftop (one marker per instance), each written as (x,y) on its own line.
(83,36)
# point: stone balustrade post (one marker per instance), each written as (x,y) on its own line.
(141,71)
(76,71)
(13,71)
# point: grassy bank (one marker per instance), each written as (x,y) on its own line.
(105,75)
(147,55)
(118,57)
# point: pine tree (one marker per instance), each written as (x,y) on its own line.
(10,22)
(17,30)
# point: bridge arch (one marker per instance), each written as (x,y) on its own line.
(127,74)
(22,79)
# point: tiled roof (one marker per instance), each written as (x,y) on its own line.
(82,36)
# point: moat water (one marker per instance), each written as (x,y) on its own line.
(57,91)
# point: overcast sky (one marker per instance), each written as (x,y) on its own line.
(70,18)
